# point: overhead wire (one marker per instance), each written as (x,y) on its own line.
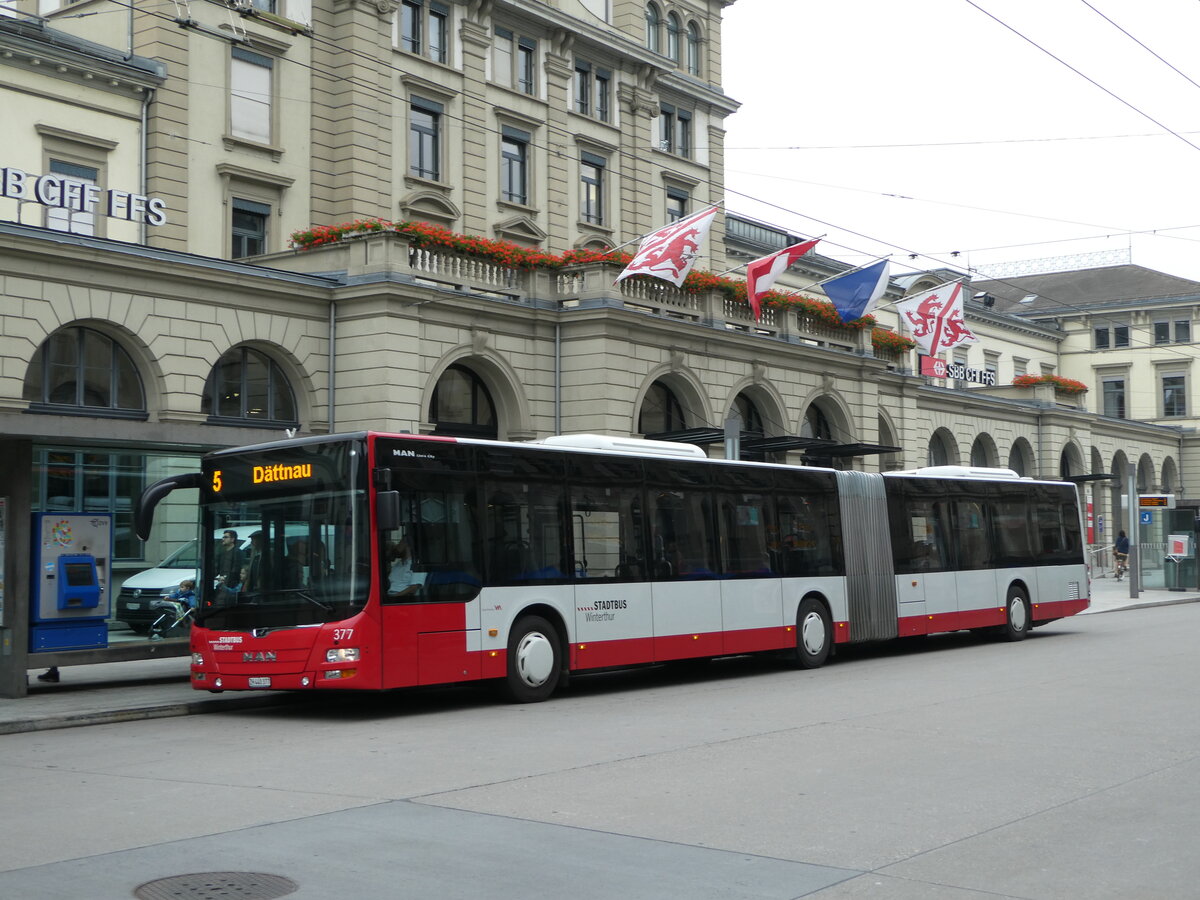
(550,128)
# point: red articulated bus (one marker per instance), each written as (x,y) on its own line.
(378,561)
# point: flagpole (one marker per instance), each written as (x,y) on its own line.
(642,236)
(934,288)
(847,272)
(743,265)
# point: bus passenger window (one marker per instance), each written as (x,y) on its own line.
(606,532)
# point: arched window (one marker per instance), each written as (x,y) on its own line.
(1020,457)
(816,425)
(674,29)
(941,453)
(661,411)
(653,28)
(247,385)
(81,368)
(693,48)
(980,456)
(752,425)
(462,405)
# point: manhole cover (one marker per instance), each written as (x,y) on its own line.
(224,885)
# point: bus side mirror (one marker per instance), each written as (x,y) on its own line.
(387,510)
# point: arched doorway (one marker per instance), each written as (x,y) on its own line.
(462,405)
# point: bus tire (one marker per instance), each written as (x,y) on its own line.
(1017,617)
(534,661)
(814,634)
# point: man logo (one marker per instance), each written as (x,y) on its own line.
(260,656)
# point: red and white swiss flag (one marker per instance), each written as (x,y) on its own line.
(761,274)
(670,252)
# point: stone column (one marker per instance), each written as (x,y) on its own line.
(480,143)
(561,165)
(167,126)
(352,128)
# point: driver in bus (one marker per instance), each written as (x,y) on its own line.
(402,582)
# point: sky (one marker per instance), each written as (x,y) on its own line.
(934,128)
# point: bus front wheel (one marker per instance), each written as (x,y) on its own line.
(814,634)
(1017,618)
(534,661)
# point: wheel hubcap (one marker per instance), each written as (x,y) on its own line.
(535,659)
(1016,613)
(812,633)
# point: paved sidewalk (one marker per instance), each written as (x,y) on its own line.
(159,688)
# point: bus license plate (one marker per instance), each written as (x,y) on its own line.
(260,682)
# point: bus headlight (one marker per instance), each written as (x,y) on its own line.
(197,659)
(342,654)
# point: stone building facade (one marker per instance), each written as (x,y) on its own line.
(131,343)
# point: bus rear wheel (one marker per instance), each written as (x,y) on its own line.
(1017,618)
(814,634)
(534,661)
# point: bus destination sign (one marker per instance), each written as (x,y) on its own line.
(1156,501)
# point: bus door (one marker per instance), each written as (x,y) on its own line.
(926,589)
(430,586)
(683,567)
(613,606)
(975,579)
(752,589)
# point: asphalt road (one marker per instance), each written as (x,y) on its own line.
(1066,766)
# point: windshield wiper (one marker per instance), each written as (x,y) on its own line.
(307,596)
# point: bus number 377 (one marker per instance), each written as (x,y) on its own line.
(371,561)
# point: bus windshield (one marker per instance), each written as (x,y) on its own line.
(291,546)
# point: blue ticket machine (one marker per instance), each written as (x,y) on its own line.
(69,596)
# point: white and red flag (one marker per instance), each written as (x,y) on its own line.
(935,318)
(761,274)
(670,252)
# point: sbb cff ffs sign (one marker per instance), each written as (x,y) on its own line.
(939,368)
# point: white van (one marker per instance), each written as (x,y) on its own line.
(140,590)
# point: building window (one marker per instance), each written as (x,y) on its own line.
(249,228)
(424,138)
(677,204)
(653,28)
(1174,392)
(1106,338)
(85,481)
(250,78)
(693,49)
(462,406)
(1114,398)
(593,90)
(1183,331)
(514,61)
(591,183)
(1020,366)
(263,5)
(674,32)
(675,130)
(514,165)
(1162,332)
(423,28)
(72,215)
(410,26)
(247,385)
(81,368)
